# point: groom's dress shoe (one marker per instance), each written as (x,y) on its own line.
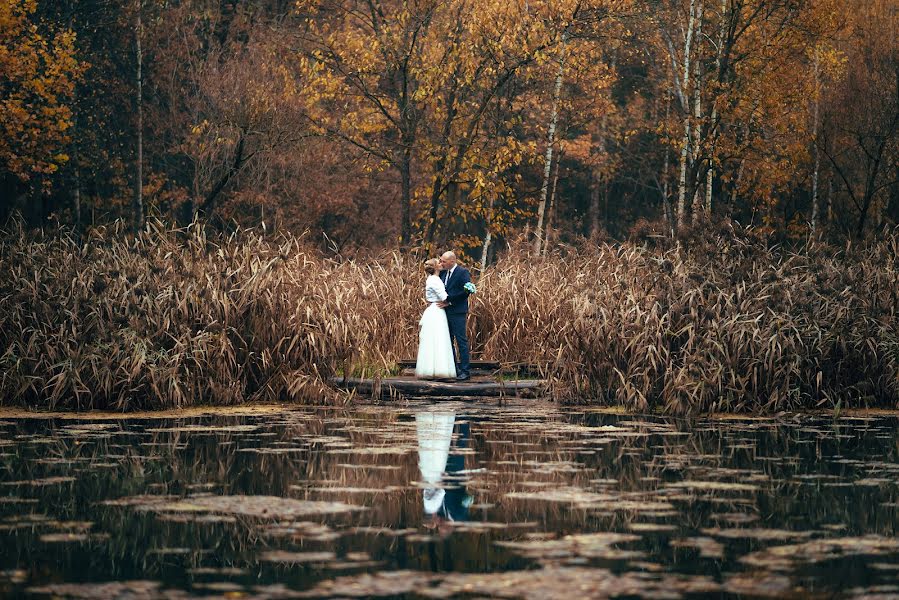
(463,377)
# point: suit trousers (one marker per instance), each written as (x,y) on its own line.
(460,337)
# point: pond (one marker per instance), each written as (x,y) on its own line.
(449,500)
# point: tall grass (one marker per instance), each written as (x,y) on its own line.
(175,318)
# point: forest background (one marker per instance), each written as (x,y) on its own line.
(674,205)
(454,123)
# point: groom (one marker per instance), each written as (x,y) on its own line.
(454,278)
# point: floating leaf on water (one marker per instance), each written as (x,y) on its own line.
(354,560)
(527,585)
(177,518)
(718,486)
(787,557)
(736,518)
(205,429)
(388,583)
(73,537)
(301,529)
(280,556)
(651,527)
(217,571)
(644,507)
(565,495)
(14,575)
(757,534)
(142,500)
(69,524)
(873,481)
(41,482)
(758,584)
(382,531)
(708,547)
(265,507)
(589,545)
(345,490)
(482,526)
(169,551)
(373,450)
(100,591)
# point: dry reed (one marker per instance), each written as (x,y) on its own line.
(175,318)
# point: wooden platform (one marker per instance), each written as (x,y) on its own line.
(486,381)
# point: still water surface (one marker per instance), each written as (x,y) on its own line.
(451,500)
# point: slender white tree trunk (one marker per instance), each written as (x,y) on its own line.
(710,173)
(488,237)
(550,217)
(666,200)
(817,169)
(550,142)
(697,108)
(485,249)
(138,202)
(685,144)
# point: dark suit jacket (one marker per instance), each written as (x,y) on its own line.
(456,294)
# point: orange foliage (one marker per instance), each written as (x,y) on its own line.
(38,72)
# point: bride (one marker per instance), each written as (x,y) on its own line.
(435,350)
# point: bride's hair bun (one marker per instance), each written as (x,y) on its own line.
(431,266)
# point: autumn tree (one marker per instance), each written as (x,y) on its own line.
(38,72)
(860,129)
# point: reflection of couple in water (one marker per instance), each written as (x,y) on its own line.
(445,497)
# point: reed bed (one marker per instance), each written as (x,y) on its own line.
(176,318)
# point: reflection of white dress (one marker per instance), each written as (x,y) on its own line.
(435,432)
(435,350)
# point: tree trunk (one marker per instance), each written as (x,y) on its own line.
(594,205)
(710,172)
(550,142)
(666,204)
(485,249)
(829,209)
(440,165)
(488,237)
(817,168)
(697,112)
(137,206)
(77,205)
(236,166)
(552,205)
(685,143)
(737,180)
(406,198)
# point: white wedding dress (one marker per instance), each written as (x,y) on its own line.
(435,350)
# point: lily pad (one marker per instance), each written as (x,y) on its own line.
(816,551)
(264,507)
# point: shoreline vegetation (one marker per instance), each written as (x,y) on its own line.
(177,318)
